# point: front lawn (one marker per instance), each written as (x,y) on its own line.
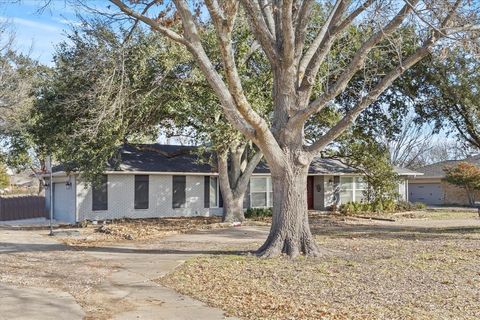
(368,271)
(151,229)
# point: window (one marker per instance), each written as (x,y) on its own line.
(261,194)
(346,189)
(211,192)
(100,194)
(179,194)
(352,189)
(360,188)
(141,191)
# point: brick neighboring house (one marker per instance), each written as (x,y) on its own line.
(430,189)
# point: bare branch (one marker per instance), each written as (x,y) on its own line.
(386,81)
(337,10)
(150,22)
(355,64)
(260,29)
(313,60)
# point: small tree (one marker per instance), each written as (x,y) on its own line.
(4,178)
(372,159)
(465,175)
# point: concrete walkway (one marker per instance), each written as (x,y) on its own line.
(131,284)
(37,303)
(143,263)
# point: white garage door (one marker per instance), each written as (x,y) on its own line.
(63,202)
(428,193)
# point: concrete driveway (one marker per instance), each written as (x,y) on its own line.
(127,285)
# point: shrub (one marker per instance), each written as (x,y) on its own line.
(253,213)
(419,206)
(379,206)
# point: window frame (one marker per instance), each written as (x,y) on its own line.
(217,191)
(267,191)
(354,189)
(100,186)
(182,179)
(138,179)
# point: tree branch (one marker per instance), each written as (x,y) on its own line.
(386,81)
(260,29)
(357,62)
(152,23)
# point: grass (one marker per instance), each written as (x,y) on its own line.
(368,272)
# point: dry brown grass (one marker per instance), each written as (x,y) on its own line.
(54,266)
(368,272)
(138,230)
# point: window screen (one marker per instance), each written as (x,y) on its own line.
(179,197)
(141,191)
(100,194)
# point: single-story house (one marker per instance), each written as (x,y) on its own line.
(430,188)
(165,180)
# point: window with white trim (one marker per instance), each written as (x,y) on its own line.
(261,195)
(352,189)
(360,188)
(214,192)
(346,189)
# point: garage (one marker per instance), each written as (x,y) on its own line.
(63,202)
(428,193)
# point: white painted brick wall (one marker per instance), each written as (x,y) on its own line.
(121,199)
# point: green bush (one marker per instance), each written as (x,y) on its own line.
(379,206)
(253,213)
(419,206)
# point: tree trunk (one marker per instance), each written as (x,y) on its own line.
(233,209)
(290,231)
(471,196)
(234,179)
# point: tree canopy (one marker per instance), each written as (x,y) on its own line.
(446,91)
(465,175)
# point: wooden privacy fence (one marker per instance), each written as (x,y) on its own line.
(22,207)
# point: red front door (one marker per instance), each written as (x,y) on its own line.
(310,193)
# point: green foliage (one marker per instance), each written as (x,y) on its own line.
(102,93)
(253,213)
(106,91)
(380,206)
(465,175)
(4,178)
(409,206)
(446,91)
(21,79)
(372,159)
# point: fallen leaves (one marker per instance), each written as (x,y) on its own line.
(371,273)
(139,229)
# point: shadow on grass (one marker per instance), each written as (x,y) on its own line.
(6,248)
(344,230)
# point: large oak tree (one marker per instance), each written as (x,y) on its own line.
(296,54)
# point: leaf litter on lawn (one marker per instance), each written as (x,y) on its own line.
(406,274)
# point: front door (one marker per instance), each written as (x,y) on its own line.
(310,192)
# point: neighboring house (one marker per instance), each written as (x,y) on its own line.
(165,180)
(22,182)
(430,189)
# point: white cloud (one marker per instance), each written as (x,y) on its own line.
(31,24)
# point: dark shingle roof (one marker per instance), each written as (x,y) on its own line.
(436,169)
(184,159)
(162,158)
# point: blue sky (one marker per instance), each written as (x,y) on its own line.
(36,32)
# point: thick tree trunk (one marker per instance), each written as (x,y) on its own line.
(233,209)
(234,179)
(290,232)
